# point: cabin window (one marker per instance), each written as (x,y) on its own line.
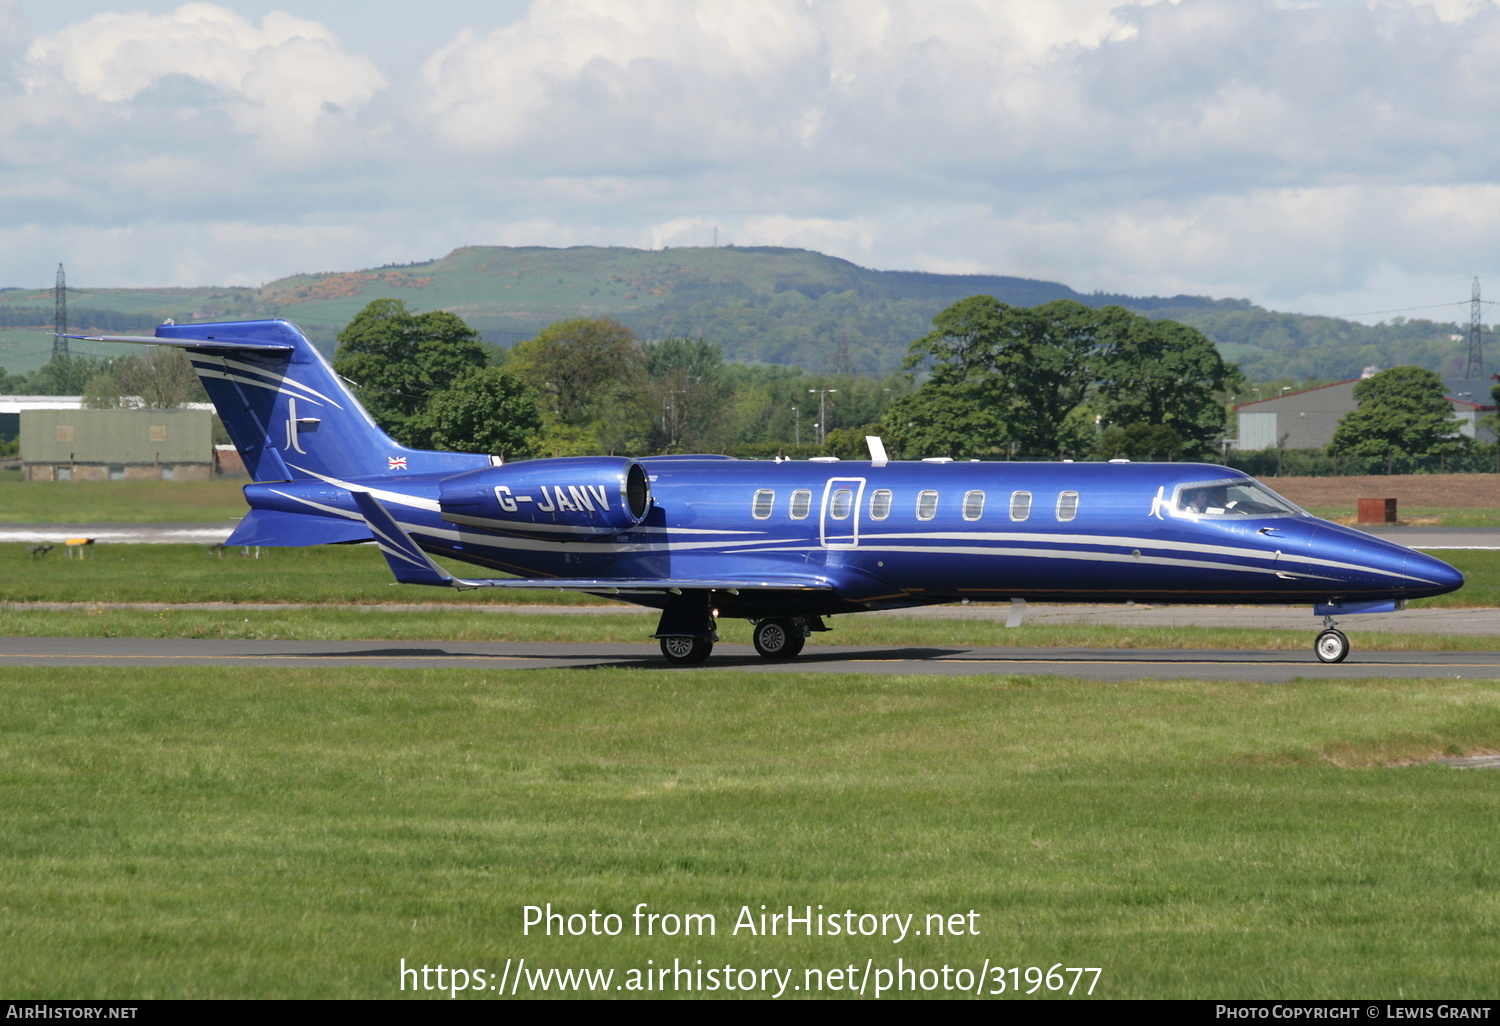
(801,503)
(1020,505)
(1067,506)
(880,504)
(926,505)
(764,500)
(973,505)
(841,503)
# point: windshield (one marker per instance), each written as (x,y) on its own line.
(1235,498)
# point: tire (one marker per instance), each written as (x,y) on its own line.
(686,651)
(1331,646)
(779,639)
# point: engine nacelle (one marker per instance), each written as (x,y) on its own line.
(568,499)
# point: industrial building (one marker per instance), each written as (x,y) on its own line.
(116,445)
(1308,419)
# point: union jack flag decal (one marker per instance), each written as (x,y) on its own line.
(396,462)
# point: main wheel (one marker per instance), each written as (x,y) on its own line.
(778,639)
(685,650)
(1331,646)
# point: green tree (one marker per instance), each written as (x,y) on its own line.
(1002,379)
(488,411)
(849,443)
(400,361)
(961,409)
(577,363)
(1160,374)
(158,378)
(1139,442)
(1031,383)
(953,421)
(687,385)
(589,373)
(1402,418)
(1052,373)
(64,374)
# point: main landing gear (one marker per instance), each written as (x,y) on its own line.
(689,627)
(781,637)
(1331,645)
(685,650)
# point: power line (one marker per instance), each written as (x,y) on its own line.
(1404,309)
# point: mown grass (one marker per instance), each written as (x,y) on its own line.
(254,833)
(358,574)
(119,502)
(353,574)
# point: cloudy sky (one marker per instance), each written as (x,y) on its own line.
(1328,156)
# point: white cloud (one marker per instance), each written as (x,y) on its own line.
(285,84)
(1267,149)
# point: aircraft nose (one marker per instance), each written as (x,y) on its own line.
(1431,576)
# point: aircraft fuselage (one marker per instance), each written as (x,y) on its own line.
(914,533)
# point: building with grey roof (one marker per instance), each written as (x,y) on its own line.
(1307,419)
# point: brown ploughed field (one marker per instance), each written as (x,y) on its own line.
(1443,491)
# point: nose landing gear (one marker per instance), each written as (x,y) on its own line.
(1331,645)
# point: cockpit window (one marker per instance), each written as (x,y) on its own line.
(1235,498)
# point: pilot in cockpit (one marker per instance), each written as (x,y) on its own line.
(1206,500)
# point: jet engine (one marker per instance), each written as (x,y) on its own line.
(569,499)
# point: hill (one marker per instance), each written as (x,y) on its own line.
(762,304)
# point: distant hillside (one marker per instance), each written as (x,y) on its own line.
(763,304)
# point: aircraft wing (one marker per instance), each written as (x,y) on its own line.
(413,566)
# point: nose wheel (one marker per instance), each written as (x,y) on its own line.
(1331,646)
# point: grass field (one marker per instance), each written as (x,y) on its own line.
(249,833)
(119,502)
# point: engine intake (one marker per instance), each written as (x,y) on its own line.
(567,499)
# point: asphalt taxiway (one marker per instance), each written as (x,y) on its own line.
(1093,664)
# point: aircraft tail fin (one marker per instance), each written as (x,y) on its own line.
(289,415)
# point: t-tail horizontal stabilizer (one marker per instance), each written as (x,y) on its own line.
(413,566)
(291,417)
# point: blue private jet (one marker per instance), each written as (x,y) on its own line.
(783,544)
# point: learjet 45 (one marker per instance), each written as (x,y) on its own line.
(784,543)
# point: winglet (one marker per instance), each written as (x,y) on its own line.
(878,457)
(408,562)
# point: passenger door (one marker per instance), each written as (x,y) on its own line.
(839,518)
